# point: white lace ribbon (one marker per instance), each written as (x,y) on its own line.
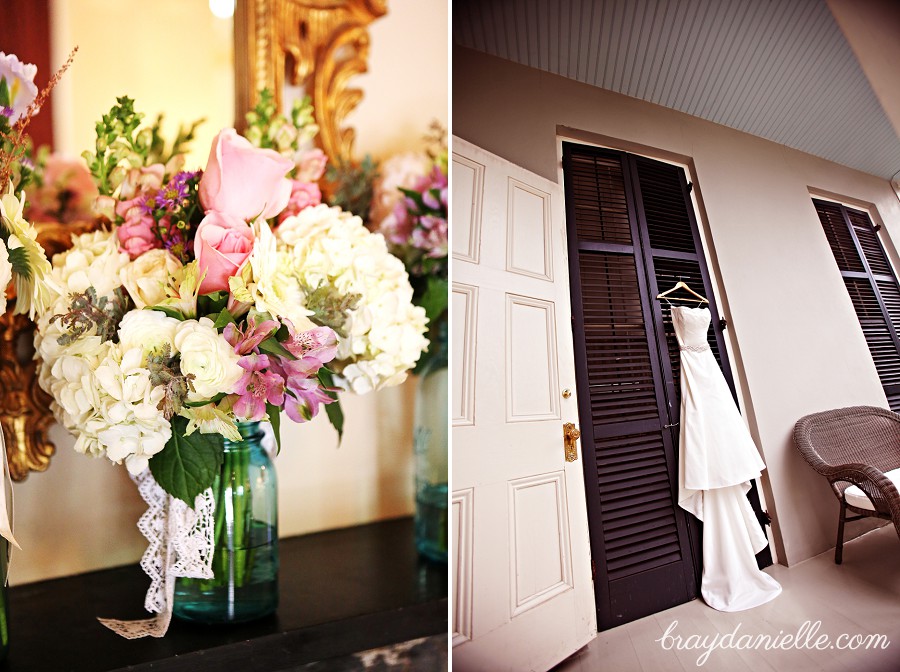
(181,544)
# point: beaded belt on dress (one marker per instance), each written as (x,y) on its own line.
(694,348)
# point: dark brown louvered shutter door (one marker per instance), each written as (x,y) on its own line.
(632,234)
(639,536)
(872,287)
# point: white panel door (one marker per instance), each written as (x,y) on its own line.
(520,565)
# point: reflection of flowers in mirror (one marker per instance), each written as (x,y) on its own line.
(17,87)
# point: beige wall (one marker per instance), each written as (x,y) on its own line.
(871,27)
(81,513)
(406,85)
(794,335)
(170,56)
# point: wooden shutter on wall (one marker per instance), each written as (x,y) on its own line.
(631,234)
(872,287)
(639,537)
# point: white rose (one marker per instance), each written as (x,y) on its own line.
(149,330)
(206,355)
(147,277)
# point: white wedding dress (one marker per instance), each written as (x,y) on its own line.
(717,461)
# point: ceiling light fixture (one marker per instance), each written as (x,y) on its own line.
(222,9)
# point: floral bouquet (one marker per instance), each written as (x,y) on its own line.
(213,298)
(409,208)
(190,313)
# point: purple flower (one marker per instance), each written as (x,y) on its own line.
(174,195)
(257,387)
(246,341)
(6,112)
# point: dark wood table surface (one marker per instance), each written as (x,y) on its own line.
(341,592)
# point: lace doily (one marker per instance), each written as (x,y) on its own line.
(181,543)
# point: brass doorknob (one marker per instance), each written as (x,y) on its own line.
(570,436)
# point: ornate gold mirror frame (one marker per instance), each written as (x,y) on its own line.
(317,44)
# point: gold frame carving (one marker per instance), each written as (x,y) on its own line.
(318,44)
(24,407)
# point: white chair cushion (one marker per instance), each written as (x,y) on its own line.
(856,497)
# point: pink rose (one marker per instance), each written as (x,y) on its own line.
(303,195)
(244,181)
(136,234)
(311,165)
(222,244)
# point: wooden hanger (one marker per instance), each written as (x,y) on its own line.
(680,285)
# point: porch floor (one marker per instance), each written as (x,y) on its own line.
(859,597)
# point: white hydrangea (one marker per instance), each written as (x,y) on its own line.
(385,333)
(101,391)
(94,260)
(126,420)
(105,398)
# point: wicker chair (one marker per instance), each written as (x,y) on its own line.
(854,446)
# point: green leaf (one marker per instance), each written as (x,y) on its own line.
(273,347)
(168,310)
(333,410)
(434,301)
(212,303)
(215,400)
(4,92)
(18,258)
(225,317)
(336,416)
(275,420)
(415,196)
(188,464)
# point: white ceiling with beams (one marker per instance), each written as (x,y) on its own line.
(779,69)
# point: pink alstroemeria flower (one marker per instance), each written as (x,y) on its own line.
(257,387)
(304,398)
(247,340)
(319,343)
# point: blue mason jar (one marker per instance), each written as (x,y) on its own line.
(430,444)
(245,561)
